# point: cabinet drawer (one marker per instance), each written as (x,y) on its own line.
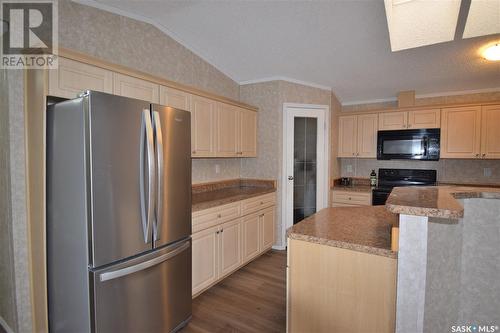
(214,216)
(254,204)
(351,198)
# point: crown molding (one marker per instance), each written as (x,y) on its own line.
(287,79)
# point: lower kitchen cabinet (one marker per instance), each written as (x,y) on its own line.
(267,228)
(205,249)
(250,227)
(229,247)
(223,247)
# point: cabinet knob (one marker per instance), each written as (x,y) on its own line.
(194,151)
(262,202)
(219,215)
(484,155)
(222,230)
(477,155)
(350,198)
(408,126)
(217,232)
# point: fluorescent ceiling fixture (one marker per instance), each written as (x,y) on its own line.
(414,23)
(483,18)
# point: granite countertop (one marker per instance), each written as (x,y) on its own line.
(363,229)
(354,188)
(214,194)
(436,201)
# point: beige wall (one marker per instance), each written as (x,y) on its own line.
(143,47)
(448,170)
(451,99)
(269,98)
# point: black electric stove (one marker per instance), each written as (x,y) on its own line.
(390,178)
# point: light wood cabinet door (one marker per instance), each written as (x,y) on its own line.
(230,247)
(248,133)
(73,77)
(392,120)
(203,127)
(490,132)
(460,132)
(175,98)
(367,135)
(267,229)
(424,119)
(250,232)
(227,130)
(204,259)
(347,136)
(132,87)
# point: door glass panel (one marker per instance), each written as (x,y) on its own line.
(304,168)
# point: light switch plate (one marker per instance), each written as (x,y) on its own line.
(487,172)
(217,168)
(349,168)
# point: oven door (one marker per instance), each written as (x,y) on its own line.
(379,196)
(406,144)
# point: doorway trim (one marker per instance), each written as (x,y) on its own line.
(322,180)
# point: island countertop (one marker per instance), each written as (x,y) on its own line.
(363,229)
(435,201)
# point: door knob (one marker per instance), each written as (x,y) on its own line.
(290,177)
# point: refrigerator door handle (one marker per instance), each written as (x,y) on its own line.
(159,180)
(144,265)
(147,210)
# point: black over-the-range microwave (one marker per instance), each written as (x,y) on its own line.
(414,144)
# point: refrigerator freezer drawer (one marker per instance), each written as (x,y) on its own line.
(151,293)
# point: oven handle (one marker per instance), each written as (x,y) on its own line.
(426,144)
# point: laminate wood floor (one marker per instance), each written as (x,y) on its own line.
(253,299)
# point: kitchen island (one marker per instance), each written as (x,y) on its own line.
(341,274)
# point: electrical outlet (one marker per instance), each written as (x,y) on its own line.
(217,168)
(487,172)
(349,168)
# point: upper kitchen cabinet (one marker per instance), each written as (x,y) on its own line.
(227,130)
(248,133)
(236,131)
(175,98)
(424,119)
(409,119)
(203,127)
(490,132)
(392,120)
(460,132)
(73,77)
(347,136)
(358,136)
(367,135)
(132,87)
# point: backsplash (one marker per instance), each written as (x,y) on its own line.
(204,170)
(448,170)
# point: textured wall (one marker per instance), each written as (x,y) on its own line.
(204,169)
(7,284)
(139,46)
(269,98)
(143,47)
(451,99)
(448,170)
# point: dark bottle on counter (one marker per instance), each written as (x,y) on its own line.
(373,178)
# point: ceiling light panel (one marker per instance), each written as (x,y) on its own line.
(483,18)
(414,23)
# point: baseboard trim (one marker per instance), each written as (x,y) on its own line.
(279,247)
(5,327)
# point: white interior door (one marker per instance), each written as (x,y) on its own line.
(305,162)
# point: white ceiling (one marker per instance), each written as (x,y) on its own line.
(342,45)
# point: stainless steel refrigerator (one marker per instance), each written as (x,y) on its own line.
(118,215)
